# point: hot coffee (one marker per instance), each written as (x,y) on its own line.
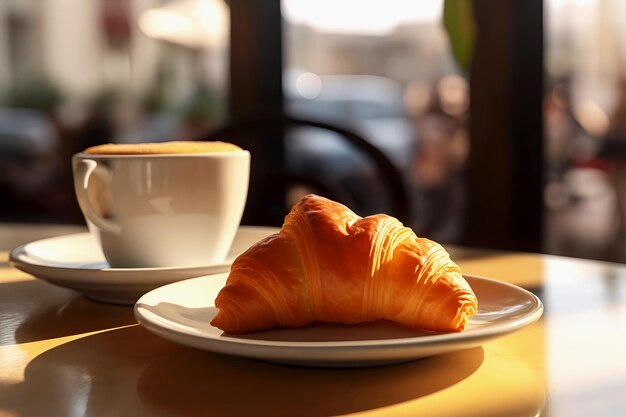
(167,204)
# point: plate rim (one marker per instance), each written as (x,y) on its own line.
(461,338)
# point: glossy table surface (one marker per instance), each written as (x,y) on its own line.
(64,355)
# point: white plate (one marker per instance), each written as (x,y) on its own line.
(181,312)
(76,262)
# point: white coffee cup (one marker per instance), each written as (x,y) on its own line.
(162,210)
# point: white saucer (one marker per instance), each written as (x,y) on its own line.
(76,262)
(181,312)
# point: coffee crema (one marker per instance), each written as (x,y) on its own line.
(161,148)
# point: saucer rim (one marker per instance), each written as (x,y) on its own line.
(17,255)
(124,286)
(16,261)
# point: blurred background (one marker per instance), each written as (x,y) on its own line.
(504,122)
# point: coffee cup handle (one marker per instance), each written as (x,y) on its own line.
(82,172)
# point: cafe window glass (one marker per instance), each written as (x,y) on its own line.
(585,125)
(386,71)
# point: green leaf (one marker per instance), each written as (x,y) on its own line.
(458,19)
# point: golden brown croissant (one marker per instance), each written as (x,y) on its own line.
(329,265)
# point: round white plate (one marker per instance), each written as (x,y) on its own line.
(76,262)
(181,312)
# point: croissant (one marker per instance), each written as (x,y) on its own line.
(327,264)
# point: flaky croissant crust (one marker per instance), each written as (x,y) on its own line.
(327,264)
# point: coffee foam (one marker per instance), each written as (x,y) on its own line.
(160,148)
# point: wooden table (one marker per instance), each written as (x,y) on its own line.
(63,355)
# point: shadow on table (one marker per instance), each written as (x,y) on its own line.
(128,371)
(197,383)
(42,311)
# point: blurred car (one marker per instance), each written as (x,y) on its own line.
(371,107)
(25,134)
(29,164)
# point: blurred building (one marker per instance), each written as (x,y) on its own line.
(409,52)
(85,47)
